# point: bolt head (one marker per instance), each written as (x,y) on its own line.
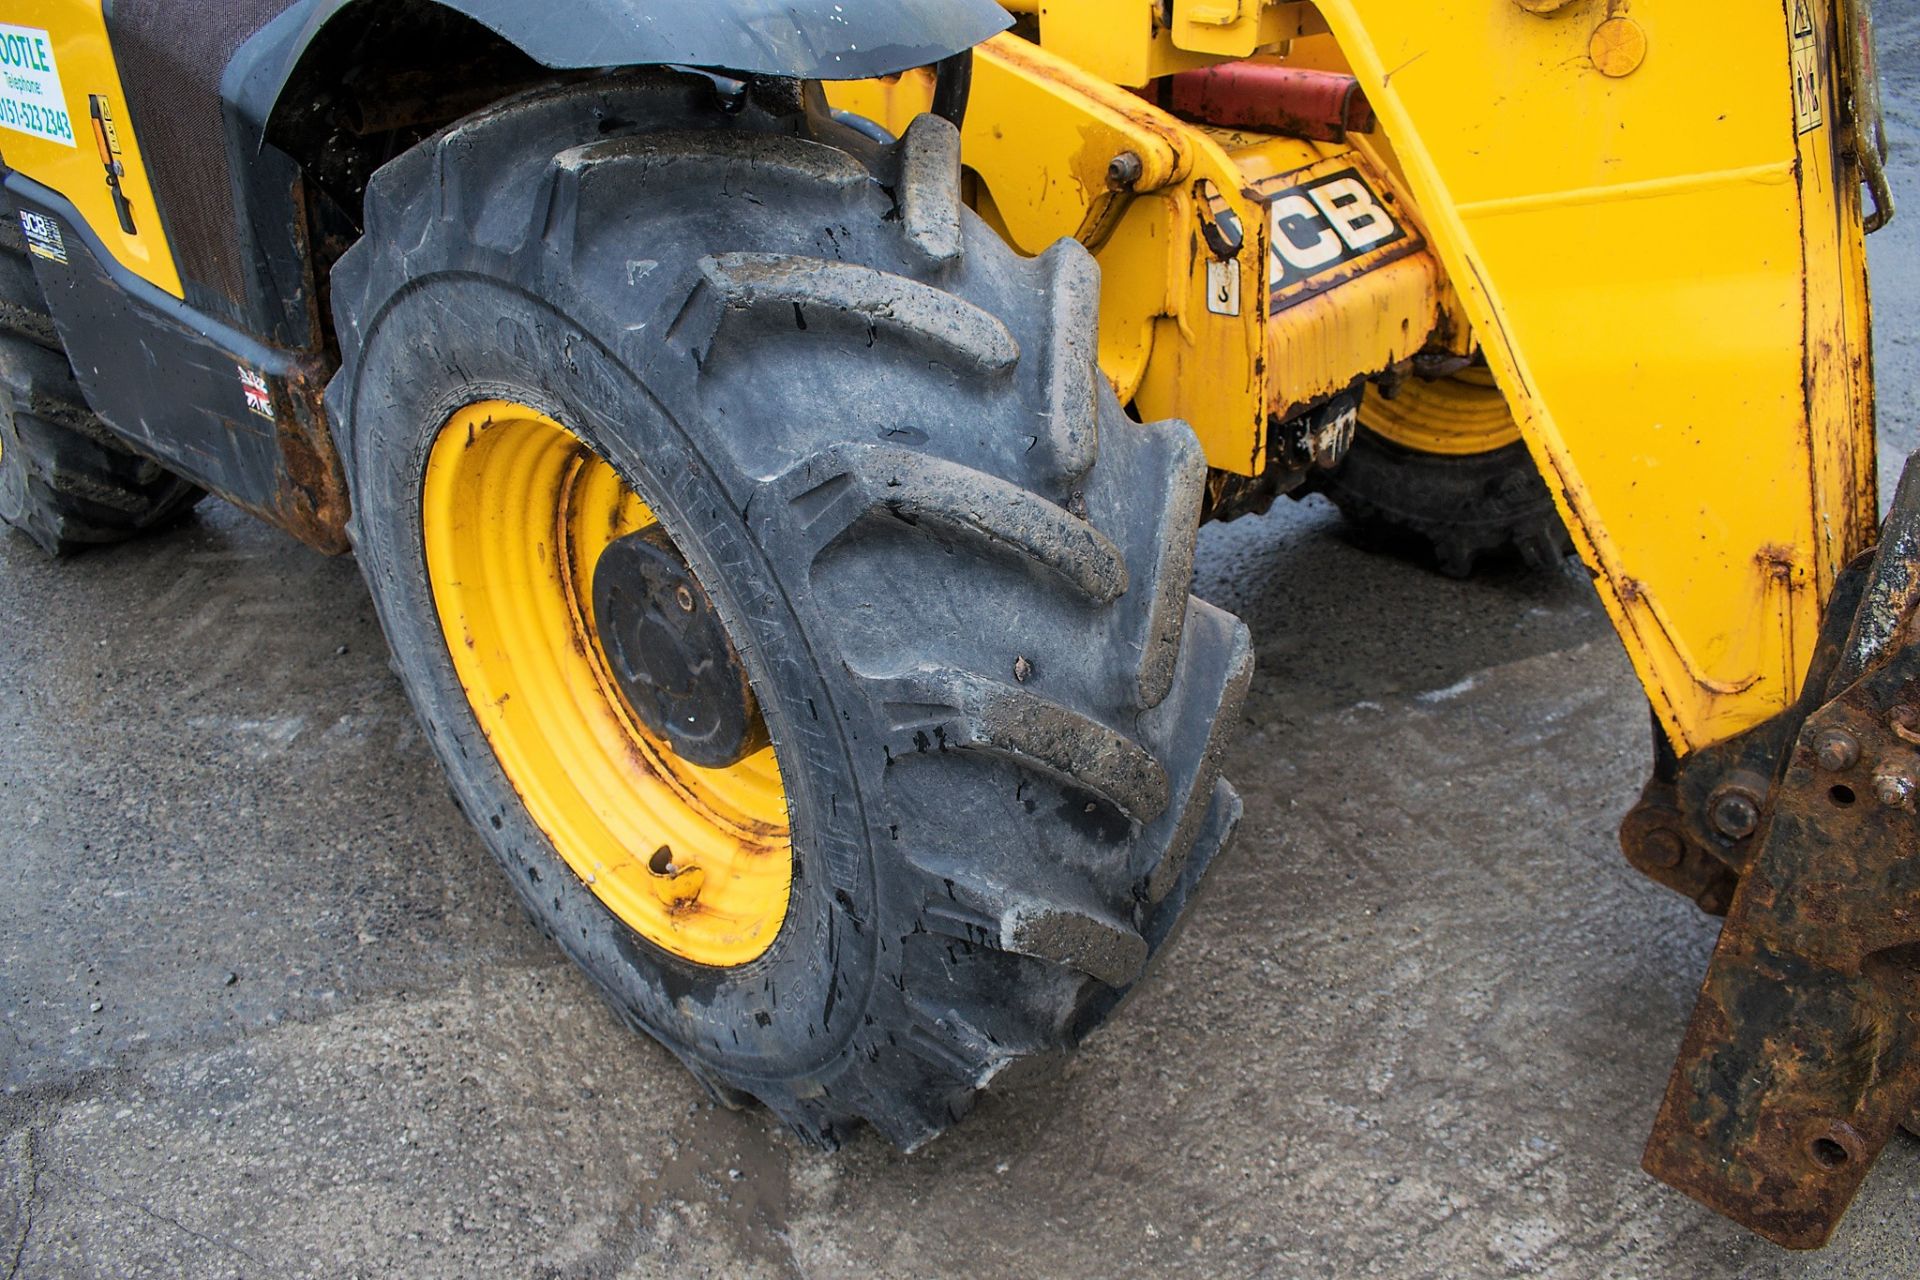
(1894,786)
(1837,750)
(1735,815)
(1124,170)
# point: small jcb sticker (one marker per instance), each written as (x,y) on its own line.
(1223,287)
(43,237)
(31,100)
(1808,69)
(259,399)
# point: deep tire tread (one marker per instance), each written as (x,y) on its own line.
(788,289)
(1095,754)
(1456,513)
(929,188)
(847,483)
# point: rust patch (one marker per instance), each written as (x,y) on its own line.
(1803,1052)
(309,499)
(1803,1056)
(1780,563)
(1658,840)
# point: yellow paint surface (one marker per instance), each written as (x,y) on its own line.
(84,61)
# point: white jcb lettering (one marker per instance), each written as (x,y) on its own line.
(1322,249)
(1349,206)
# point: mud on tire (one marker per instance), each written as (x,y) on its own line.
(957,572)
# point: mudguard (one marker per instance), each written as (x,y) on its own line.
(811,39)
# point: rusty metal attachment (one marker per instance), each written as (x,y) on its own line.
(1864,140)
(1803,1053)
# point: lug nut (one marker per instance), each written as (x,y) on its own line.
(1837,751)
(1735,815)
(1125,170)
(1894,785)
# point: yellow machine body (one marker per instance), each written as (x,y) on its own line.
(66,156)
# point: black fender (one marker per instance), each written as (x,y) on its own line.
(807,39)
(810,39)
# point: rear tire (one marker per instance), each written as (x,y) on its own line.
(1455,510)
(955,572)
(65,480)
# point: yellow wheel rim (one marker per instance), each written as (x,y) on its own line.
(1459,415)
(516,512)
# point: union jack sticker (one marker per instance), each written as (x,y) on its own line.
(259,399)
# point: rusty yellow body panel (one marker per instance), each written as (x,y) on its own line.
(1678,319)
(1183,332)
(67,157)
(1369,314)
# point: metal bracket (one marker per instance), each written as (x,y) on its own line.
(1803,1053)
(1697,825)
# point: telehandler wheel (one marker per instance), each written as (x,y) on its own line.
(65,481)
(796,612)
(1440,472)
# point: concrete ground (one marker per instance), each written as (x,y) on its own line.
(269,1010)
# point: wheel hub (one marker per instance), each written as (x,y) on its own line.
(669,654)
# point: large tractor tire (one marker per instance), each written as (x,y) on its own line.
(65,480)
(796,612)
(1439,474)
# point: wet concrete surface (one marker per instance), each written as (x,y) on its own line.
(269,1009)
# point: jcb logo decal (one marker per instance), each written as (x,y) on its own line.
(1324,223)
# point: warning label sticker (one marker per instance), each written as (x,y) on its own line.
(31,100)
(1223,287)
(1807,66)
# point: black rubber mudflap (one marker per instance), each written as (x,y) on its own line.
(65,481)
(957,572)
